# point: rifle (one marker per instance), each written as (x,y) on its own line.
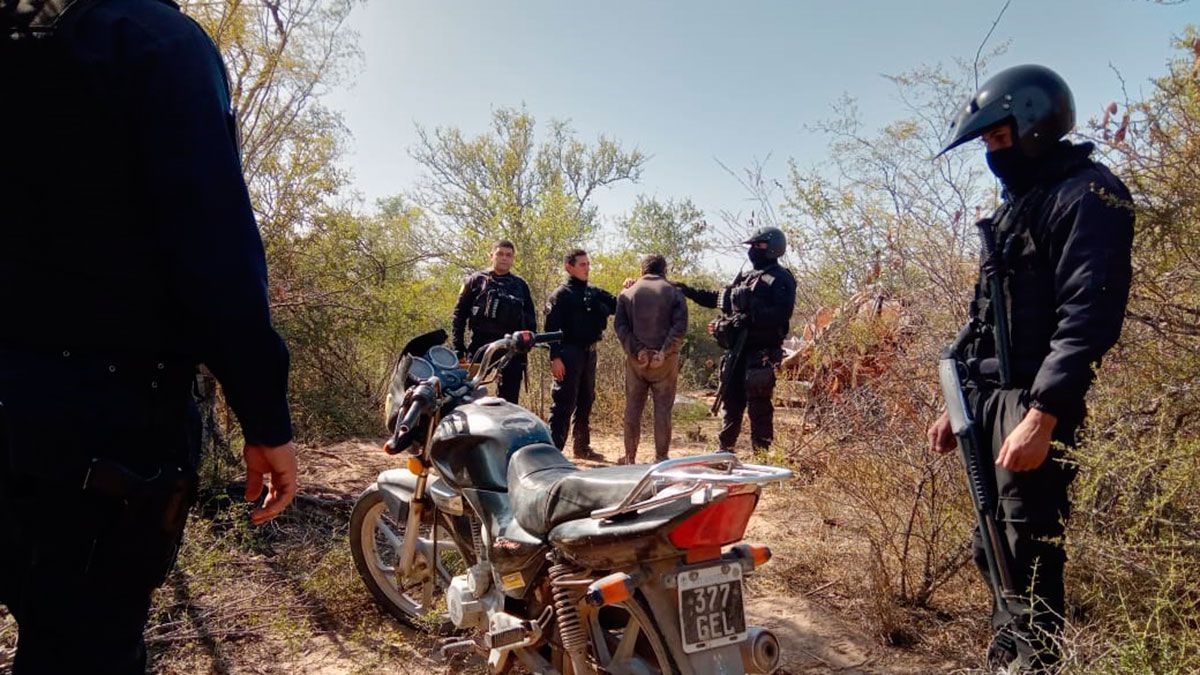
(952,368)
(993,277)
(735,355)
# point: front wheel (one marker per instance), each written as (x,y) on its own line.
(376,539)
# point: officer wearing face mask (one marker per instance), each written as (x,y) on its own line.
(129,254)
(755,313)
(1062,240)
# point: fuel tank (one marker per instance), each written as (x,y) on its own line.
(472,445)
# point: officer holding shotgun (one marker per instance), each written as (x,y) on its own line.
(1050,301)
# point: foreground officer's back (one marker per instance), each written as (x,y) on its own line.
(128,255)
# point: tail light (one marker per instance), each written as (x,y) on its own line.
(716,524)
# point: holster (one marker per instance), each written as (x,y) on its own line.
(137,522)
(760,374)
(161,500)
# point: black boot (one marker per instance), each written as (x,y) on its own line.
(588,454)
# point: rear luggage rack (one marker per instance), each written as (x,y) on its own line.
(709,476)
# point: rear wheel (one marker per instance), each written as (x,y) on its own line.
(627,641)
(376,538)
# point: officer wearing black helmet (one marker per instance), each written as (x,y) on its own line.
(1062,237)
(755,311)
(129,254)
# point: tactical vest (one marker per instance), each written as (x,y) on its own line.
(761,334)
(1022,241)
(499,306)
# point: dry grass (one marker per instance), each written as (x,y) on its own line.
(283,598)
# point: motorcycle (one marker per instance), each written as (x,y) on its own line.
(491,529)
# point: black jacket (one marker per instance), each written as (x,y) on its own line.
(580,311)
(480,294)
(125,224)
(1067,244)
(765,298)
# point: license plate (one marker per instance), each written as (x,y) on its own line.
(710,607)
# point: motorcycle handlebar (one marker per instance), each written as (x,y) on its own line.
(410,418)
(524,341)
(423,396)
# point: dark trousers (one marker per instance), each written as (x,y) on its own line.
(751,388)
(574,396)
(660,384)
(97,462)
(508,384)
(1033,508)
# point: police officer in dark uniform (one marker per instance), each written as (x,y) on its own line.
(128,255)
(755,311)
(1063,237)
(581,312)
(494,303)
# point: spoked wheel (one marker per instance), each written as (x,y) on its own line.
(627,641)
(376,539)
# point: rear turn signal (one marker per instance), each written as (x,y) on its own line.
(716,524)
(757,554)
(610,590)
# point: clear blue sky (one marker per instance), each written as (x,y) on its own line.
(690,80)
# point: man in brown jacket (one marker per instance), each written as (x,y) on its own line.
(651,321)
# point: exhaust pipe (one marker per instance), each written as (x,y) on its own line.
(760,651)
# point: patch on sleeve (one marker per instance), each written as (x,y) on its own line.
(767,279)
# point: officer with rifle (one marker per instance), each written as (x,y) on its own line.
(755,311)
(1050,301)
(494,303)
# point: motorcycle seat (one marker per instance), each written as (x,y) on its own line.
(547,490)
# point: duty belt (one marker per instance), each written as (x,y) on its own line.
(158,370)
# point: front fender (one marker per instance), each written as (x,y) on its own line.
(397,487)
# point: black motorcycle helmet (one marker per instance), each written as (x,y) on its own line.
(1034,98)
(774,237)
